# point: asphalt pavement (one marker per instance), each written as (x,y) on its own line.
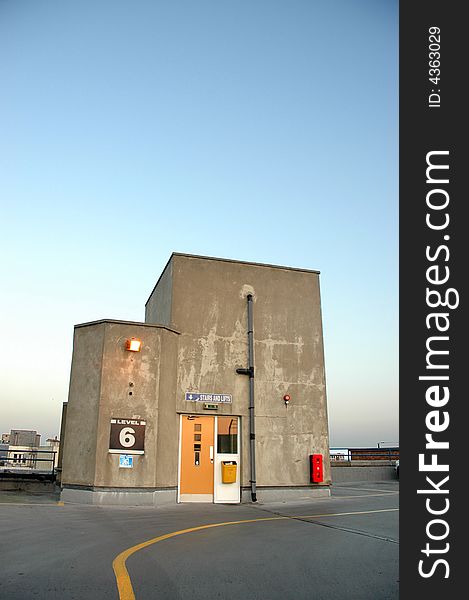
(341,548)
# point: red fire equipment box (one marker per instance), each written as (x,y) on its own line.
(315,466)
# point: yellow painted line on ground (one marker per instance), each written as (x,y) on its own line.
(124,585)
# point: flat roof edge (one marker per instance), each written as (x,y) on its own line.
(246,262)
(229,260)
(120,322)
(161,275)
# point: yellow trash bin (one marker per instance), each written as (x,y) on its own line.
(228,471)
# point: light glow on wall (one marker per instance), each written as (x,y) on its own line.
(134,345)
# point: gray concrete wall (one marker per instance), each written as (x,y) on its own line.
(286,494)
(364,472)
(158,305)
(167,447)
(19,484)
(79,452)
(63,422)
(110,382)
(128,391)
(210,308)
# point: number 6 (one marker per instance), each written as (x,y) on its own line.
(126,437)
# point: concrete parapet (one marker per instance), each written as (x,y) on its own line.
(362,471)
(279,494)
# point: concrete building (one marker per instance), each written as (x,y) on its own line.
(3,455)
(23,453)
(24,437)
(22,457)
(19,449)
(48,455)
(203,410)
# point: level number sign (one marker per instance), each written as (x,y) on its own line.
(127,435)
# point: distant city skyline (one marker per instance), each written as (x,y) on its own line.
(264,132)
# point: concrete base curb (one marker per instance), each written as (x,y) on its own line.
(167,497)
(118,497)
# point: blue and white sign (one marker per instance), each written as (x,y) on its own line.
(126,461)
(217,398)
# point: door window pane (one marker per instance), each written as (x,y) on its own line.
(227,439)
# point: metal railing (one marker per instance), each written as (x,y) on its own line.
(351,454)
(28,461)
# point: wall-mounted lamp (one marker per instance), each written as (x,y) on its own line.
(286,399)
(133,345)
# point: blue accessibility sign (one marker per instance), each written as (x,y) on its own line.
(126,461)
(217,398)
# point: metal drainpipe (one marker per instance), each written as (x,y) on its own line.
(250,371)
(252,430)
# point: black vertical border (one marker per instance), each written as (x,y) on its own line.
(424,129)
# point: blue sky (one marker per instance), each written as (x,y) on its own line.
(255,130)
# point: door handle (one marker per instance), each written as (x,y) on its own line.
(211,454)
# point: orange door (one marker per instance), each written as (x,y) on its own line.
(197,435)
